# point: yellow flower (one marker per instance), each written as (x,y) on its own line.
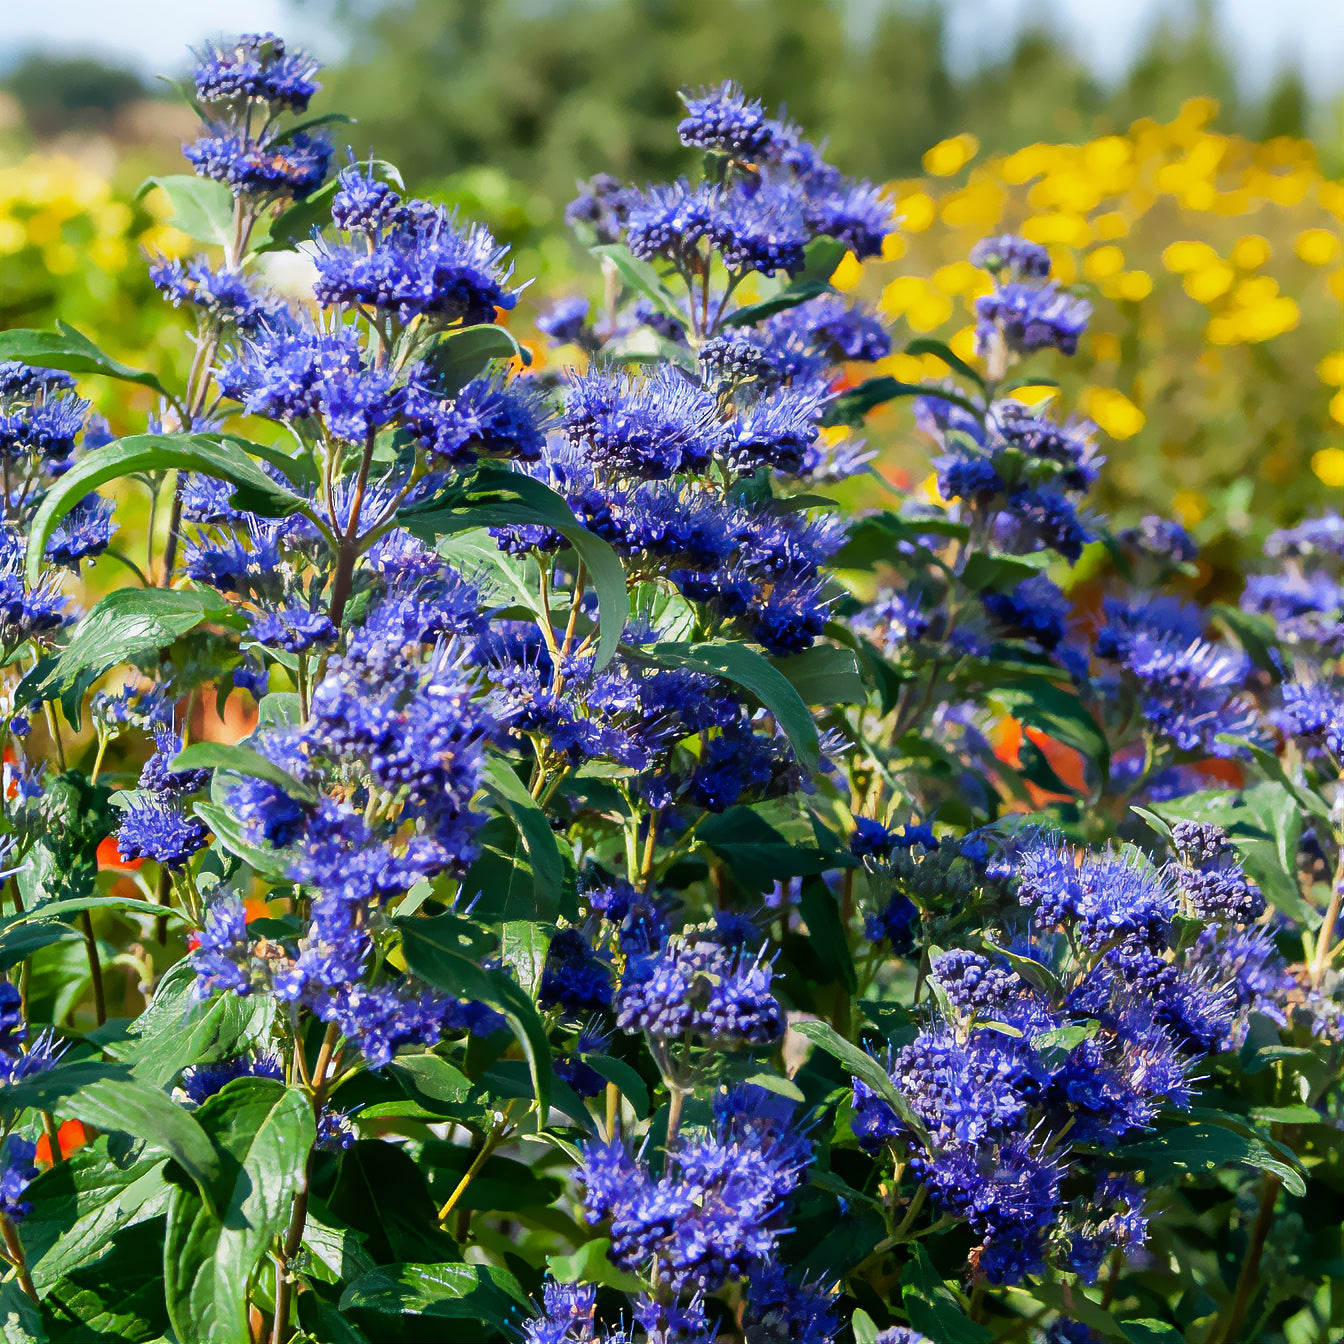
(1104,262)
(1328,464)
(916,211)
(1187,256)
(1251,251)
(848,273)
(1113,412)
(1134,286)
(1317,247)
(1331,369)
(1209,282)
(1336,411)
(1189,506)
(951,156)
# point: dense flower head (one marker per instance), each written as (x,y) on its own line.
(17,1172)
(725,119)
(159,778)
(222,294)
(649,428)
(257,67)
(268,169)
(1314,712)
(716,1212)
(1031,318)
(699,988)
(163,832)
(204,1080)
(422,263)
(1028,261)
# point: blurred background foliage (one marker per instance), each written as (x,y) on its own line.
(1203,222)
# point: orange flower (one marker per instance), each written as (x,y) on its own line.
(70,1136)
(109,857)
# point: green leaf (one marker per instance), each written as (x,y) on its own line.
(432,1082)
(790,297)
(826,932)
(446,1292)
(523,944)
(177,1029)
(240,759)
(821,257)
(754,673)
(926,345)
(641,277)
(758,853)
(81,1203)
(264,1132)
(119,1298)
(1204,1147)
(854,404)
(1150,1331)
(63,866)
(862,1065)
(932,1307)
(202,207)
(340,1250)
(296,225)
(591,1263)
(126,625)
(1075,1303)
(20,938)
(432,948)
(500,498)
(825,675)
(537,838)
(381,1192)
(71,352)
(628,1083)
(269,862)
(459,356)
(212,454)
(985,573)
(127,905)
(102,1094)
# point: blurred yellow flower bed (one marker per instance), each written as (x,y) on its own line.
(1213,362)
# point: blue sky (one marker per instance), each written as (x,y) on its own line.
(1264,33)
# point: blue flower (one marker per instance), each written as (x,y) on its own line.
(256,67)
(565,321)
(294,629)
(725,119)
(270,168)
(17,1171)
(84,533)
(204,1080)
(423,264)
(1024,260)
(642,427)
(223,294)
(162,832)
(1031,317)
(490,416)
(157,778)
(1036,608)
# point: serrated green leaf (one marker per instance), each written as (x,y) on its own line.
(862,1065)
(211,454)
(932,1307)
(240,759)
(754,673)
(202,207)
(459,356)
(447,1292)
(71,352)
(264,1132)
(500,498)
(127,624)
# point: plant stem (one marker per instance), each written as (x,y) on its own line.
(1320,961)
(95,968)
(15,1248)
(487,1147)
(284,1283)
(1229,1325)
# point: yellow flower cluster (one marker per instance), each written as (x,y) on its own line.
(1213,263)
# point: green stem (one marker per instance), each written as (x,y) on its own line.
(95,968)
(1228,1327)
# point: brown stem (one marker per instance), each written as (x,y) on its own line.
(15,1248)
(347,549)
(284,1283)
(95,968)
(53,1137)
(1229,1326)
